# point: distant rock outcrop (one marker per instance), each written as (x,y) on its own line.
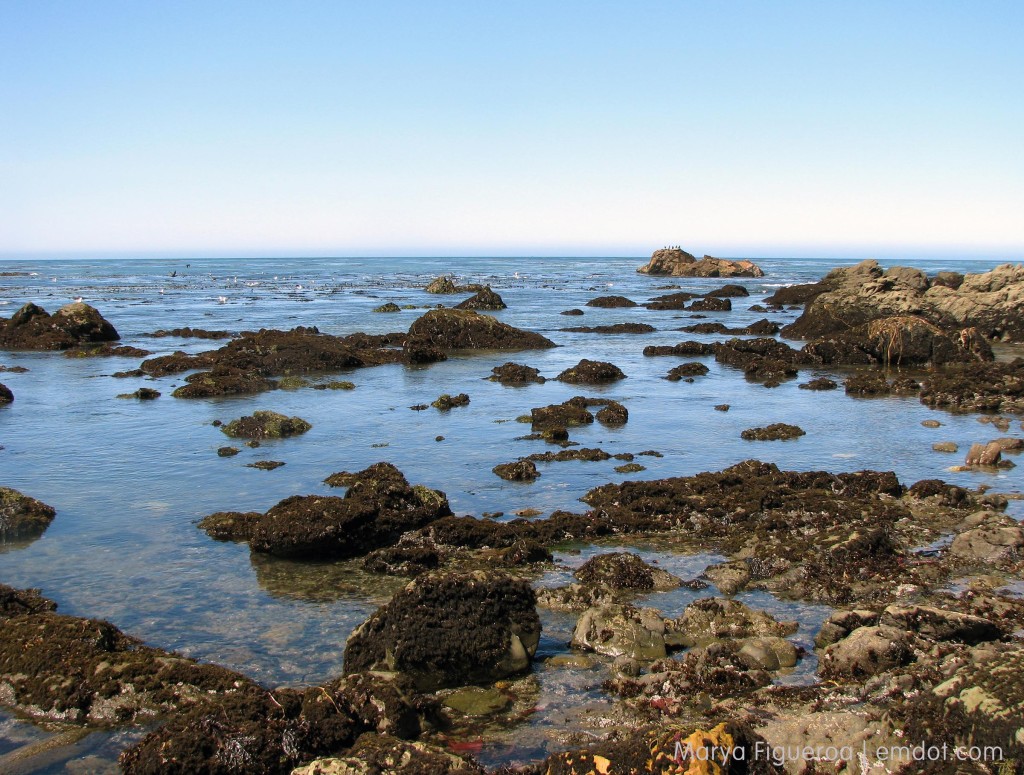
(676,262)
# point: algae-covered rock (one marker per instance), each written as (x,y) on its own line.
(625,570)
(483,299)
(775,432)
(264,424)
(456,329)
(515,374)
(588,372)
(33,328)
(21,516)
(450,629)
(378,508)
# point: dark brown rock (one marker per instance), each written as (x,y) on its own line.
(613,413)
(684,370)
(484,299)
(588,372)
(446,403)
(519,471)
(774,432)
(711,304)
(450,629)
(615,328)
(683,349)
(377,509)
(611,302)
(263,424)
(22,517)
(6,395)
(33,328)
(515,374)
(450,329)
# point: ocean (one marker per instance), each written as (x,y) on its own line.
(129,479)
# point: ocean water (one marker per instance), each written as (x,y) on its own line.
(129,479)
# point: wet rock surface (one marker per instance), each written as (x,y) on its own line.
(588,372)
(6,394)
(980,387)
(615,328)
(377,509)
(445,402)
(516,374)
(611,302)
(483,299)
(264,424)
(774,432)
(450,629)
(189,333)
(625,570)
(520,471)
(33,328)
(21,516)
(675,262)
(450,329)
(686,370)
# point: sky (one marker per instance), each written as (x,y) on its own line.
(472,127)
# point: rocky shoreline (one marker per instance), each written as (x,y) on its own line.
(922,646)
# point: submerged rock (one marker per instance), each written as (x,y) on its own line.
(450,629)
(678,263)
(263,424)
(33,328)
(21,516)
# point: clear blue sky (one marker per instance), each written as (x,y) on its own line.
(893,129)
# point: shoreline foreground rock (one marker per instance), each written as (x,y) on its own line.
(675,262)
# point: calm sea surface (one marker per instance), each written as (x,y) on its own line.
(129,479)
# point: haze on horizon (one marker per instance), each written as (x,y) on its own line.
(598,128)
